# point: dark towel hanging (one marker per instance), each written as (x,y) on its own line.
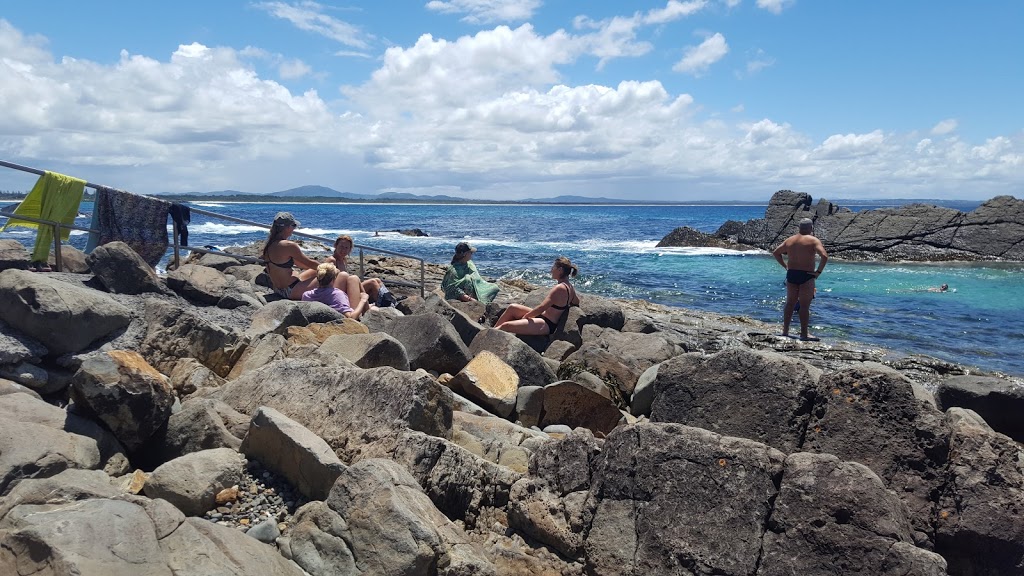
(181,215)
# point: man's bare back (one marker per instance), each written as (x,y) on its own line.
(801,250)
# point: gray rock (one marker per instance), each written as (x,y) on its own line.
(871,416)
(67,317)
(980,528)
(192,481)
(265,531)
(200,548)
(462,315)
(496,440)
(190,375)
(377,319)
(643,394)
(762,396)
(318,313)
(567,465)
(620,358)
(220,262)
(524,360)
(44,440)
(201,424)
(71,485)
(834,517)
(288,448)
(379,498)
(557,429)
(199,284)
(912,232)
(367,350)
(246,272)
(346,406)
(127,394)
(8,387)
(275,318)
(530,405)
(30,375)
(648,520)
(430,342)
(998,401)
(72,260)
(13,255)
(558,350)
(16,347)
(174,333)
(122,271)
(262,350)
(570,403)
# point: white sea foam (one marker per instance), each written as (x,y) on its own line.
(208,204)
(223,229)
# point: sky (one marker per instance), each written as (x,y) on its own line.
(489,99)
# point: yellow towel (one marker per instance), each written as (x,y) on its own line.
(54,197)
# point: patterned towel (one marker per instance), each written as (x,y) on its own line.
(138,221)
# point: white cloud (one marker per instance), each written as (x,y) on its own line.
(294,68)
(672,11)
(309,16)
(487,11)
(759,62)
(945,127)
(490,115)
(774,6)
(698,59)
(732,3)
(851,145)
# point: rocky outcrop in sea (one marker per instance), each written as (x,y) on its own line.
(915,232)
(192,424)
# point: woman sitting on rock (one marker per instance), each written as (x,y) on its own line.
(326,293)
(282,255)
(542,320)
(373,287)
(463,282)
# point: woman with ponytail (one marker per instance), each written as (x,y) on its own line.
(326,293)
(542,320)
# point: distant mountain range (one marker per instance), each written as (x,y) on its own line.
(308,193)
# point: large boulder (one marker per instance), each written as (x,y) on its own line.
(980,527)
(201,284)
(496,440)
(17,347)
(367,350)
(13,255)
(530,365)
(872,415)
(72,260)
(201,424)
(127,394)
(377,520)
(490,381)
(35,430)
(262,350)
(998,401)
(462,315)
(576,405)
(346,406)
(288,448)
(122,271)
(67,317)
(762,396)
(994,229)
(430,342)
(620,358)
(173,333)
(834,517)
(192,481)
(670,499)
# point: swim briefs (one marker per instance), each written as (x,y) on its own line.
(798,277)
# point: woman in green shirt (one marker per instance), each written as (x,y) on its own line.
(463,282)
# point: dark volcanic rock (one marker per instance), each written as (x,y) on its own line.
(995,230)
(122,271)
(686,236)
(999,402)
(13,255)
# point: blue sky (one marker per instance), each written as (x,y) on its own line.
(669,100)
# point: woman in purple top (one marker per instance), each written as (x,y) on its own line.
(333,297)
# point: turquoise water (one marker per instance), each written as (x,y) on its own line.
(980,321)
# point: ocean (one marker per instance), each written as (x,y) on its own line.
(978,322)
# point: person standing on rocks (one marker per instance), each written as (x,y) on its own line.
(796,254)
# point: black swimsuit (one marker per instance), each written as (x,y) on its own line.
(799,277)
(552,325)
(285,292)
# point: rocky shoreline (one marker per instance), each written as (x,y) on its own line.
(916,232)
(192,424)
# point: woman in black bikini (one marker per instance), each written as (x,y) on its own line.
(542,320)
(282,255)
